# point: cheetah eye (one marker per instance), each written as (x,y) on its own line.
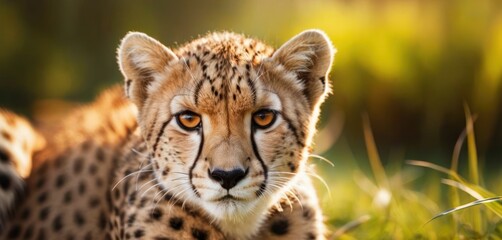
(188,120)
(264,118)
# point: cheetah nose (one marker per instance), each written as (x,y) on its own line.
(227,179)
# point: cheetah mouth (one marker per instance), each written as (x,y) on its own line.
(229,197)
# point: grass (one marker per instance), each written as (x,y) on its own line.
(416,200)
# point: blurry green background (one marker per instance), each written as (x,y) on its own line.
(411,66)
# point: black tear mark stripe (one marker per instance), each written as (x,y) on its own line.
(262,188)
(190,173)
(161,132)
(294,130)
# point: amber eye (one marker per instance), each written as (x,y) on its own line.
(188,120)
(264,118)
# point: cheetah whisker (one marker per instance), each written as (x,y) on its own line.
(278,176)
(278,185)
(121,180)
(139,168)
(288,201)
(158,200)
(144,184)
(179,193)
(281,178)
(171,190)
(213,220)
(163,195)
(155,196)
(277,166)
(139,153)
(176,195)
(164,192)
(188,68)
(295,196)
(184,201)
(285,196)
(178,184)
(322,158)
(150,188)
(277,172)
(273,186)
(174,199)
(179,178)
(259,73)
(208,188)
(322,181)
(316,176)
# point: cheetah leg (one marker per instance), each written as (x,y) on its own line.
(18,142)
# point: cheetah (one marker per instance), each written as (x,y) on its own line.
(18,141)
(209,141)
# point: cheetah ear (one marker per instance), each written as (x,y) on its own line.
(309,55)
(141,58)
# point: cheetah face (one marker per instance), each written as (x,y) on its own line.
(227,122)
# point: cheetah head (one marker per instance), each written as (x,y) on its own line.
(228,120)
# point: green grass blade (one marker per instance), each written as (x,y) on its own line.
(477,219)
(476,192)
(375,162)
(453,195)
(456,150)
(350,226)
(467,205)
(438,168)
(496,208)
(463,187)
(471,148)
